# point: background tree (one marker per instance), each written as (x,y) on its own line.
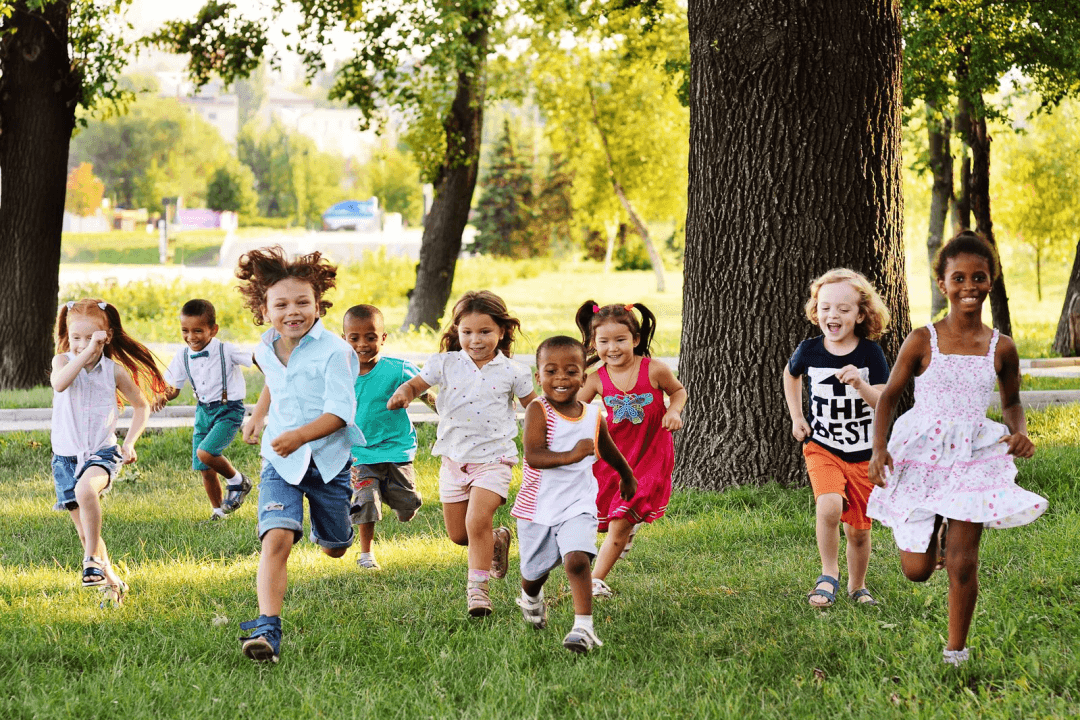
(794,169)
(232,188)
(504,214)
(394,177)
(56,57)
(84,191)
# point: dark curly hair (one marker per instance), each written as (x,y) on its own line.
(260,269)
(590,316)
(971,243)
(481,302)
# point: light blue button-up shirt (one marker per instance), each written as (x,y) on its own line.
(318,379)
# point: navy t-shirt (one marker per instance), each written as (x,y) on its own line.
(840,419)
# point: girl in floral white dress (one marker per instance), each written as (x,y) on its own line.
(952,467)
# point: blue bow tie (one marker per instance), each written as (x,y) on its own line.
(204,353)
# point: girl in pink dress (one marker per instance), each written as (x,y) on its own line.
(952,468)
(633,387)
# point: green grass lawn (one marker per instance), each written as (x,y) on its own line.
(710,619)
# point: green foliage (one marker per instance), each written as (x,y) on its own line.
(84,191)
(158,149)
(192,247)
(231,188)
(394,177)
(505,212)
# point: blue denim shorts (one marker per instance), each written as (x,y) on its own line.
(67,471)
(281,505)
(216,424)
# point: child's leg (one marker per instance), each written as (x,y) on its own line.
(212,486)
(827,529)
(963,569)
(919,566)
(479,513)
(366,532)
(219,464)
(579,575)
(532,588)
(87,490)
(272,579)
(454,516)
(858,556)
(617,536)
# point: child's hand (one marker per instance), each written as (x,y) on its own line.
(672,420)
(1019,445)
(398,400)
(584,448)
(158,402)
(253,430)
(878,463)
(849,375)
(801,429)
(287,443)
(127,452)
(627,488)
(99,338)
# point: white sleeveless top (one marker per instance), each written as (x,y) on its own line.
(554,495)
(84,415)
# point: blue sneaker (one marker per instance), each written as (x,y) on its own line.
(264,644)
(235,494)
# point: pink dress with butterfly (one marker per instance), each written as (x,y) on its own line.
(948,458)
(634,421)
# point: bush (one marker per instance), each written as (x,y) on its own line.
(265,222)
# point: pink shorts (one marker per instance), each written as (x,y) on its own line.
(457,479)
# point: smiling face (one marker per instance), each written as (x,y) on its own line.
(291,307)
(838,312)
(561,373)
(614,343)
(366,337)
(966,282)
(197,331)
(80,328)
(479,336)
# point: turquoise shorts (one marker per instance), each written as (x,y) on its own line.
(216,424)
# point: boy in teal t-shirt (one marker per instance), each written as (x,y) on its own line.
(383,471)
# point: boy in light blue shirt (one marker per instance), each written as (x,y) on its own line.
(383,471)
(307,407)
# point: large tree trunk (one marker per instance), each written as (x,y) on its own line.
(794,169)
(38,95)
(984,225)
(1067,338)
(441,242)
(941,164)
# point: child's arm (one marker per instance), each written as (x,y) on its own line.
(253,428)
(849,375)
(911,359)
(168,394)
(590,389)
(534,441)
(338,405)
(64,372)
(287,442)
(610,453)
(793,395)
(127,387)
(407,392)
(526,399)
(662,377)
(1012,412)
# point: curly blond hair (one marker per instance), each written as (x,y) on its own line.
(875,315)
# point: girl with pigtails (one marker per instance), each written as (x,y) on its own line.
(633,387)
(96,368)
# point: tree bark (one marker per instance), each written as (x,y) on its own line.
(962,214)
(441,242)
(1067,338)
(984,225)
(654,256)
(39,92)
(794,169)
(941,164)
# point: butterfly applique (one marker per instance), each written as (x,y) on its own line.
(628,407)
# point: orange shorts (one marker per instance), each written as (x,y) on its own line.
(851,481)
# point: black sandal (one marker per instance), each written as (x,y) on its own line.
(93,574)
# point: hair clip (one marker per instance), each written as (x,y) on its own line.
(70,304)
(103,305)
(595,309)
(628,307)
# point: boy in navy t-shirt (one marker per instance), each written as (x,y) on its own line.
(846,372)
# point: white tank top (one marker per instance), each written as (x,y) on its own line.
(554,495)
(84,415)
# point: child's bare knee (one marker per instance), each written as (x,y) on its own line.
(459,537)
(856,537)
(576,563)
(204,457)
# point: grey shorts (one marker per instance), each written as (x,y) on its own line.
(378,483)
(543,547)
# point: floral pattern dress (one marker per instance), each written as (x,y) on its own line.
(947,456)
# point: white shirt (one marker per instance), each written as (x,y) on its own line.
(554,495)
(206,371)
(84,415)
(477,422)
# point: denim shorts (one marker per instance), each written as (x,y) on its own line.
(281,505)
(216,424)
(67,471)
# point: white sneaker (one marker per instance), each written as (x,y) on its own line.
(217,514)
(533,610)
(368,562)
(956,657)
(600,589)
(581,640)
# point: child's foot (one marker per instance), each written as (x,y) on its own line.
(264,644)
(368,562)
(600,589)
(820,597)
(93,573)
(500,561)
(235,495)
(113,595)
(217,514)
(956,657)
(581,640)
(862,596)
(533,610)
(479,601)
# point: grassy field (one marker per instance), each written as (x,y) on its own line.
(710,619)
